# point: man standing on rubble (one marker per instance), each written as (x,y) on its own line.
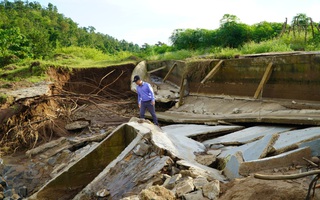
(146,99)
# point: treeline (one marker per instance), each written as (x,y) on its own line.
(28,30)
(233,34)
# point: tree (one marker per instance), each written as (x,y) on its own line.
(265,30)
(233,34)
(227,18)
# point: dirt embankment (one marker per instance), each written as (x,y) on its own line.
(100,96)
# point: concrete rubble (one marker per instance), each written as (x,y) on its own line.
(168,163)
(270,148)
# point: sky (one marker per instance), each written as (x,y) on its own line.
(153,21)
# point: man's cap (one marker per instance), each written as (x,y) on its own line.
(136,78)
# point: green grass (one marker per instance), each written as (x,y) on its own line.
(85,57)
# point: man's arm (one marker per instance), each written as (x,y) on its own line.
(153,101)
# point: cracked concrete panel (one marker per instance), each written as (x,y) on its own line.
(179,146)
(232,167)
(282,160)
(261,148)
(253,150)
(291,139)
(189,130)
(314,146)
(247,135)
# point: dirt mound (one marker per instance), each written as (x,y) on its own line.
(250,188)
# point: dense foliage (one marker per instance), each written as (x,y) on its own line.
(234,34)
(29,31)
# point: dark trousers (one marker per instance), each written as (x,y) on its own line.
(148,105)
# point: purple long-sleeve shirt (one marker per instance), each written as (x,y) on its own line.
(145,92)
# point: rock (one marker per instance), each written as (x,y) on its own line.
(170,182)
(205,159)
(236,111)
(174,170)
(196,195)
(23,191)
(102,193)
(185,186)
(52,161)
(134,197)
(8,193)
(156,193)
(15,197)
(211,189)
(141,149)
(77,125)
(199,182)
(316,160)
(214,152)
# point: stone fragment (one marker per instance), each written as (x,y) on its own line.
(174,170)
(214,152)
(170,182)
(199,182)
(156,192)
(205,159)
(103,193)
(211,189)
(141,149)
(23,191)
(77,125)
(185,186)
(196,195)
(133,197)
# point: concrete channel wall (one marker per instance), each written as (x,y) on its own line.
(294,76)
(75,177)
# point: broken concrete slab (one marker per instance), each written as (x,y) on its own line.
(247,135)
(291,139)
(198,169)
(282,160)
(253,150)
(85,169)
(143,172)
(232,167)
(248,152)
(260,148)
(314,146)
(189,130)
(179,146)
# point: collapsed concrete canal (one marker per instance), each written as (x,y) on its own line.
(222,121)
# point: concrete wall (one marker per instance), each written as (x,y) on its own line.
(295,76)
